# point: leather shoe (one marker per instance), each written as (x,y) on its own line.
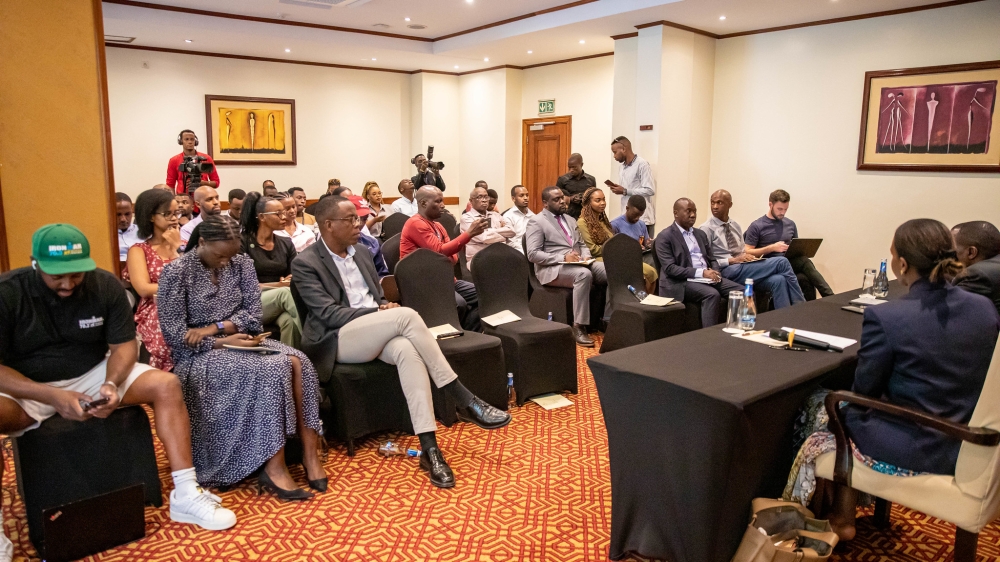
(433,462)
(581,337)
(483,415)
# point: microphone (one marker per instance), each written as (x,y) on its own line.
(782,335)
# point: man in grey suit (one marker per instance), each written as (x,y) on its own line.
(553,242)
(977,244)
(348,320)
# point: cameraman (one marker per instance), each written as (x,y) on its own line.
(426,175)
(178,181)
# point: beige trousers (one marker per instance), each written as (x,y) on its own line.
(399,337)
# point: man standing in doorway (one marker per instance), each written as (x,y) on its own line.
(178,181)
(636,178)
(574,184)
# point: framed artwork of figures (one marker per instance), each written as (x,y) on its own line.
(931,119)
(250,130)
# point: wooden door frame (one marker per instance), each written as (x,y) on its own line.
(525,124)
(4,256)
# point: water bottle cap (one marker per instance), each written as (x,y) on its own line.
(749,281)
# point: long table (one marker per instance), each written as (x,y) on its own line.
(701,423)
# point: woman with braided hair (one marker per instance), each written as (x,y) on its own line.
(243,404)
(928,349)
(596,230)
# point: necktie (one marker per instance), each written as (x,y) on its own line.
(732,241)
(569,239)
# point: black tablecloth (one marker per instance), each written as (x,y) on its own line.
(701,423)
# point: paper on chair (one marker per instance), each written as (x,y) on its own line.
(837,341)
(551,401)
(445,331)
(653,300)
(584,262)
(502,317)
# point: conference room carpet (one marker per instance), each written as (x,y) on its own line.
(537,490)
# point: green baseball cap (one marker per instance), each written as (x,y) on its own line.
(60,249)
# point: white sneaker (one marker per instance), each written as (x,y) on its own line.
(6,548)
(202,509)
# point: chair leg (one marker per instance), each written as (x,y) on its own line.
(965,545)
(350,447)
(882,509)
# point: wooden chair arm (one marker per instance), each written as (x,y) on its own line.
(844,460)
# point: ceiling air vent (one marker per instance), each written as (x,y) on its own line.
(118,39)
(381,25)
(417,26)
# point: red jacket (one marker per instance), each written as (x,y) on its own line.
(419,232)
(178,181)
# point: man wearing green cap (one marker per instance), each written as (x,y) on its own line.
(68,347)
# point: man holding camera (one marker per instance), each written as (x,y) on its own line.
(178,180)
(428,173)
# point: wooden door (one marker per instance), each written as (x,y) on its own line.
(546,151)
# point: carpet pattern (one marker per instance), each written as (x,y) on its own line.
(537,490)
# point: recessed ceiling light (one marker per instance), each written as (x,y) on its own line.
(406,19)
(582,41)
(288,50)
(722,18)
(373,58)
(529,52)
(468,1)
(486,59)
(456,66)
(187,41)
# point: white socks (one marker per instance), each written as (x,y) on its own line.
(185,483)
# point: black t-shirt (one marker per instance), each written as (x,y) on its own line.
(571,186)
(48,338)
(271,266)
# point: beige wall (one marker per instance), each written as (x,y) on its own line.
(787,112)
(52,124)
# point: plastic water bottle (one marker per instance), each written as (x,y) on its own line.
(511,393)
(640,295)
(393,449)
(881,289)
(550,317)
(748,309)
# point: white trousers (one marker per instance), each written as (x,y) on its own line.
(399,337)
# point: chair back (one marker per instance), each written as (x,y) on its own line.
(532,278)
(501,279)
(426,284)
(977,472)
(462,266)
(390,251)
(450,224)
(393,225)
(623,264)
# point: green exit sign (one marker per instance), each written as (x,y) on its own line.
(546,107)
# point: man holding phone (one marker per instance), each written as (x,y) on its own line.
(636,177)
(498,229)
(68,347)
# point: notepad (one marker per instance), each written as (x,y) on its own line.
(260,350)
(445,331)
(836,341)
(502,317)
(584,262)
(868,300)
(704,280)
(653,300)
(551,401)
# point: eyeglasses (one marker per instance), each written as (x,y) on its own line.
(355,220)
(271,213)
(168,214)
(482,198)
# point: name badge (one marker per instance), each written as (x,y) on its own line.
(92,322)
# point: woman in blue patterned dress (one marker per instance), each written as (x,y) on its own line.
(243,405)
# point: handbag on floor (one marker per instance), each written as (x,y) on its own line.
(781,531)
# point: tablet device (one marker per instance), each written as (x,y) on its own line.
(803,247)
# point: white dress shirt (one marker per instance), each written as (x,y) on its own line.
(126,238)
(303,237)
(354,283)
(697,258)
(188,228)
(406,206)
(637,179)
(519,221)
(499,231)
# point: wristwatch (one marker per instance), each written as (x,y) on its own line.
(221,326)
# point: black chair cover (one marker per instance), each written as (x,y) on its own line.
(557,300)
(450,224)
(540,354)
(462,267)
(390,251)
(427,286)
(633,323)
(393,225)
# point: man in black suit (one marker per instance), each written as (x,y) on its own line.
(978,246)
(686,255)
(348,320)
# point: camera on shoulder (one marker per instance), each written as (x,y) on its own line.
(194,167)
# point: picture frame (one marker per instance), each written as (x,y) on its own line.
(931,119)
(250,131)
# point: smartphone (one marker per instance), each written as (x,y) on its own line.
(261,337)
(609,183)
(87,406)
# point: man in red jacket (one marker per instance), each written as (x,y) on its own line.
(423,231)
(178,181)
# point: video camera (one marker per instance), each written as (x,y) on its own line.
(194,167)
(430,164)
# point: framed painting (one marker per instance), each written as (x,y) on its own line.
(931,119)
(250,130)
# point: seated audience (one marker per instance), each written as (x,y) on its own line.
(302,236)
(366,238)
(726,239)
(330,186)
(66,336)
(207,199)
(407,204)
(574,183)
(423,231)
(236,197)
(518,216)
(499,230)
(372,194)
(686,255)
(349,321)
(185,208)
(164,187)
(342,191)
(928,350)
(301,216)
(127,231)
(552,239)
(494,197)
(978,247)
(156,216)
(243,406)
(630,223)
(769,236)
(272,257)
(593,222)
(269,189)
(482,184)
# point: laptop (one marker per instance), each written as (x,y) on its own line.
(803,247)
(85,527)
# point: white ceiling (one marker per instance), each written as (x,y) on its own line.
(552,36)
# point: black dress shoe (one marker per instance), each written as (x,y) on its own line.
(319,484)
(483,415)
(264,482)
(581,337)
(433,462)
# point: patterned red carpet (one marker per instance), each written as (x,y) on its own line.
(537,490)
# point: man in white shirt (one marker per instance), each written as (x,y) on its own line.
(518,216)
(302,236)
(405,204)
(128,233)
(636,178)
(498,232)
(207,199)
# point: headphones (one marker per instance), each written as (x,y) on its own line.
(181,134)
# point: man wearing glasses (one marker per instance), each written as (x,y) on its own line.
(498,232)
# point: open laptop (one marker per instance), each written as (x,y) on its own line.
(803,247)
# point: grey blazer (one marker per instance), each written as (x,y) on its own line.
(547,244)
(317,285)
